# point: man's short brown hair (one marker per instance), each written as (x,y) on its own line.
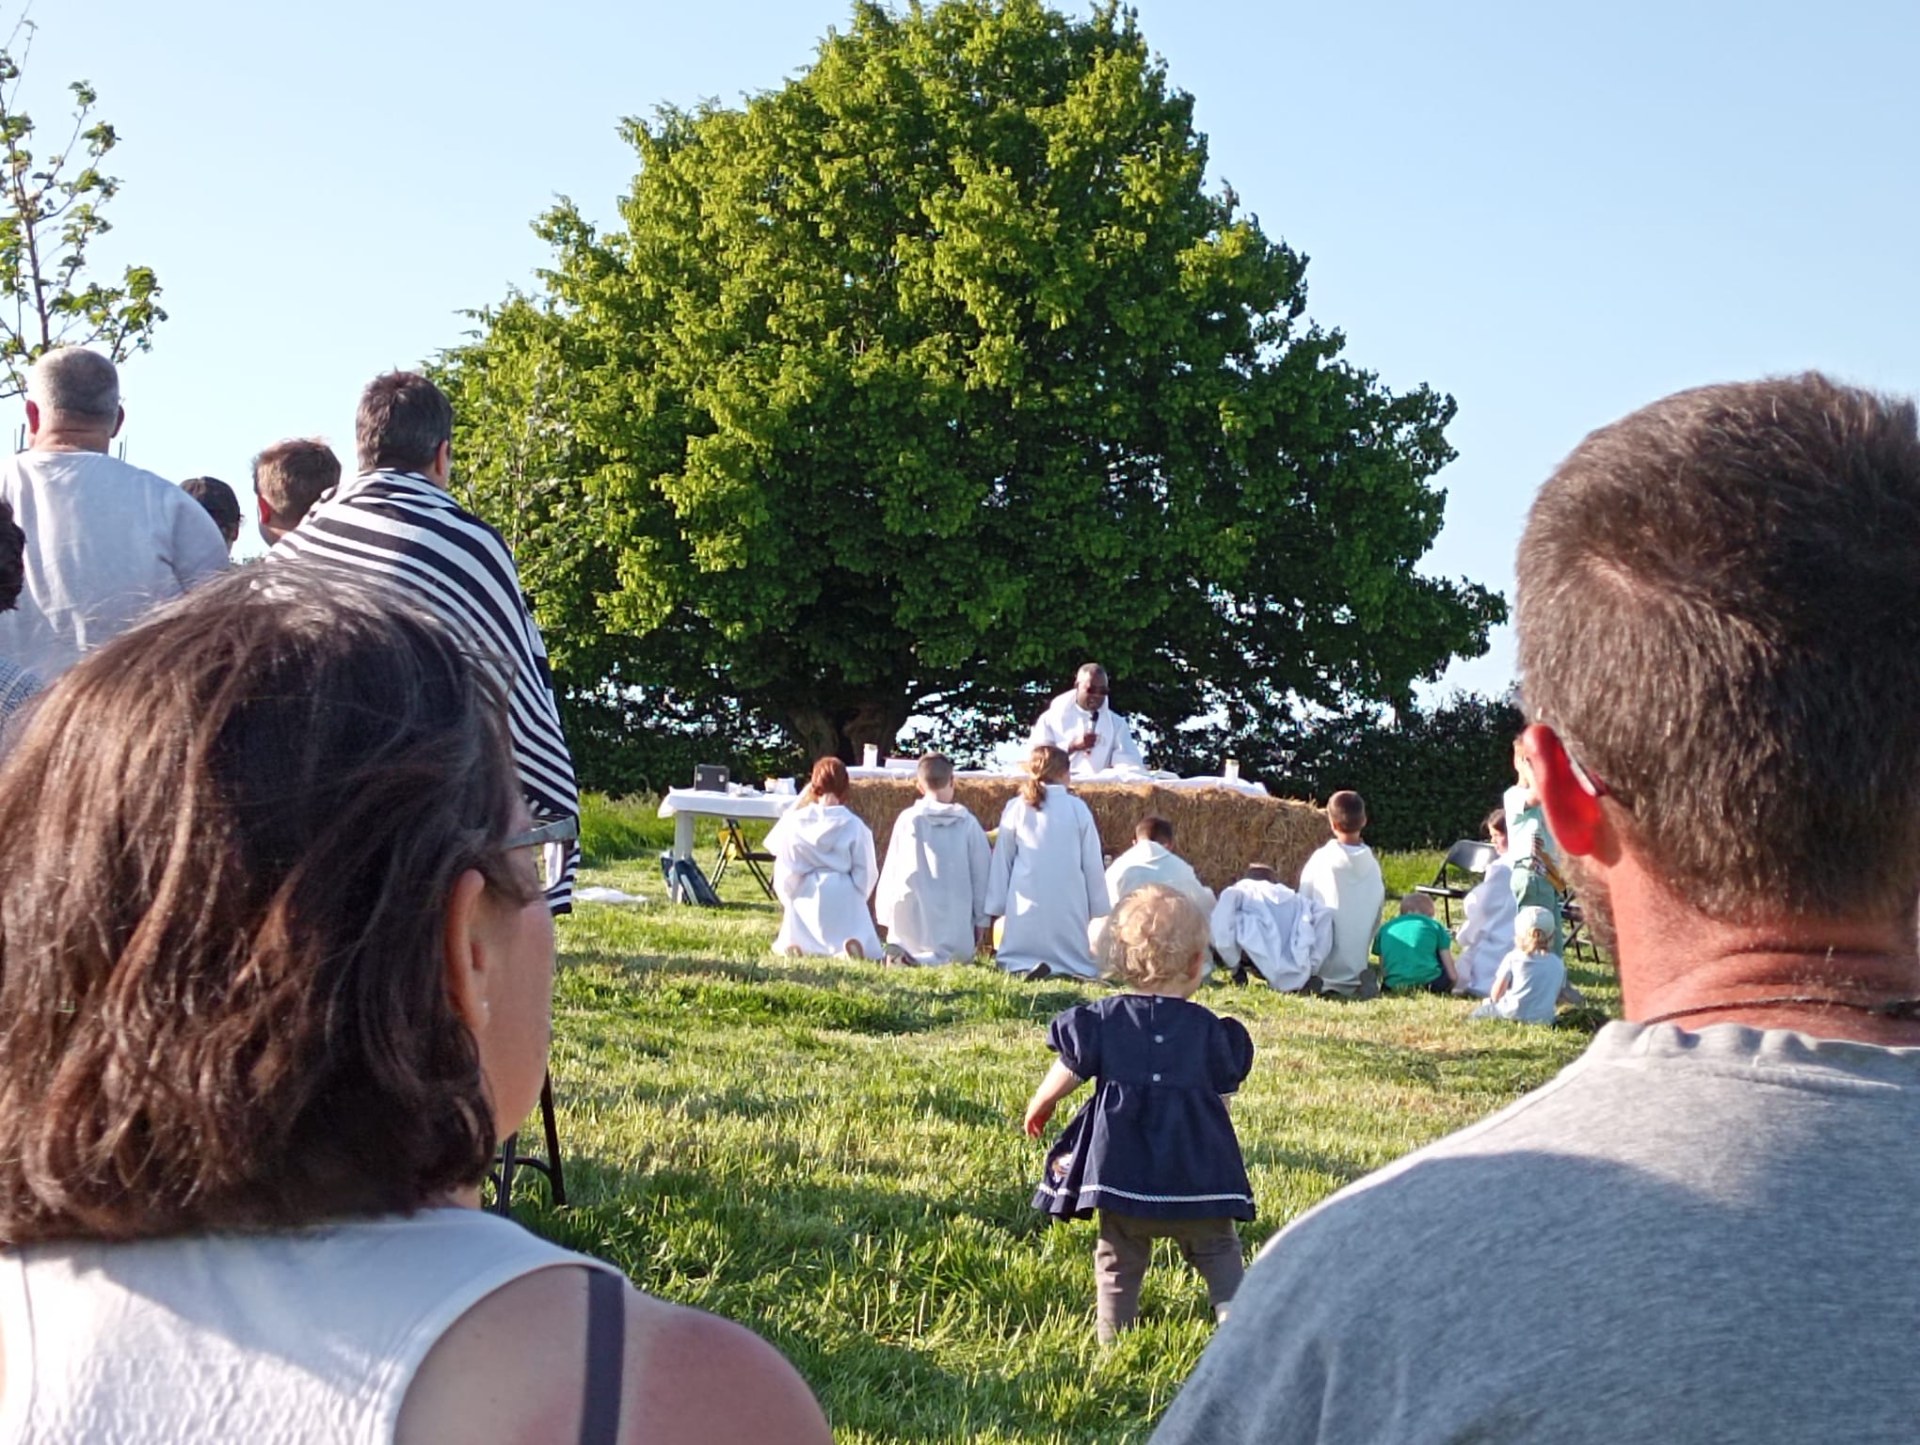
(402,421)
(289,477)
(1719,614)
(1154,829)
(1347,811)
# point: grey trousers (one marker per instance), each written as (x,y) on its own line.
(1125,1245)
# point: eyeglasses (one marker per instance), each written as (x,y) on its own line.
(560,830)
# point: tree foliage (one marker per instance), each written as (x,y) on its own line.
(907,387)
(1429,775)
(50,214)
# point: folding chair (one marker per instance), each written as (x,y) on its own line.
(734,848)
(1573,920)
(1468,857)
(512,1160)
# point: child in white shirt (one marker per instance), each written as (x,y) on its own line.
(1344,877)
(1527,987)
(932,898)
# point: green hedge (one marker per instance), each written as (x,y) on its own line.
(1428,777)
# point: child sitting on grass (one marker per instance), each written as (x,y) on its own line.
(1415,951)
(1344,877)
(823,870)
(933,887)
(1153,1150)
(1527,987)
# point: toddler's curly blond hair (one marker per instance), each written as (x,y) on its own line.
(1153,937)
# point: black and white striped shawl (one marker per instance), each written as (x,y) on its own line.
(402,527)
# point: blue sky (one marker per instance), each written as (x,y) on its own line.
(1553,213)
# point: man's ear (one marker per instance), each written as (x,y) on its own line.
(467,962)
(119,420)
(1580,824)
(33,418)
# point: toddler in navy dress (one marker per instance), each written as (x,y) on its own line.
(1153,1151)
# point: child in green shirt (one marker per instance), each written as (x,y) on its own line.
(1415,952)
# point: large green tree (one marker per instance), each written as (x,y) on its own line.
(912,384)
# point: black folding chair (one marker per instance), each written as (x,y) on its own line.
(1468,859)
(734,848)
(511,1160)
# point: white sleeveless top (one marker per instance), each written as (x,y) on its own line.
(310,1336)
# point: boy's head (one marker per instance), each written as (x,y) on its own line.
(934,777)
(1417,903)
(1156,938)
(1533,930)
(1347,815)
(288,478)
(1497,828)
(219,502)
(1719,620)
(1153,829)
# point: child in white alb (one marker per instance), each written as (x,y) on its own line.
(1262,924)
(1045,882)
(823,870)
(1153,1151)
(932,898)
(1344,877)
(1527,987)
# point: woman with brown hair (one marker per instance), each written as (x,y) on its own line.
(1046,880)
(275,969)
(824,870)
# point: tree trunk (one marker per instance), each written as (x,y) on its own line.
(844,728)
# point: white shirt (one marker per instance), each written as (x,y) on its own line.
(1345,878)
(1065,722)
(297,1335)
(106,544)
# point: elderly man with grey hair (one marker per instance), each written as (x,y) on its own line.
(106,542)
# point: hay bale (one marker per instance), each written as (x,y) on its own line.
(1218,830)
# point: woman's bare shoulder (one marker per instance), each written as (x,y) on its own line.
(512,1371)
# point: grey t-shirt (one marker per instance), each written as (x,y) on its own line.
(1684,1237)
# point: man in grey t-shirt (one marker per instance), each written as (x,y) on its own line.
(106,542)
(1708,1228)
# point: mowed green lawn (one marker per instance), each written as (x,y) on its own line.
(830,1152)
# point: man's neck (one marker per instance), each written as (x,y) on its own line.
(68,440)
(1831,978)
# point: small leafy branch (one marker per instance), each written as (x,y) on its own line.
(49,215)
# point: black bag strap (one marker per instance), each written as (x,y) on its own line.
(606,1355)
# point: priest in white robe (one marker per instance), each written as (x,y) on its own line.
(1095,738)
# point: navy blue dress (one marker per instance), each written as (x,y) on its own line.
(1154,1140)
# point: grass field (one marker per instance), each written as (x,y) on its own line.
(830,1152)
